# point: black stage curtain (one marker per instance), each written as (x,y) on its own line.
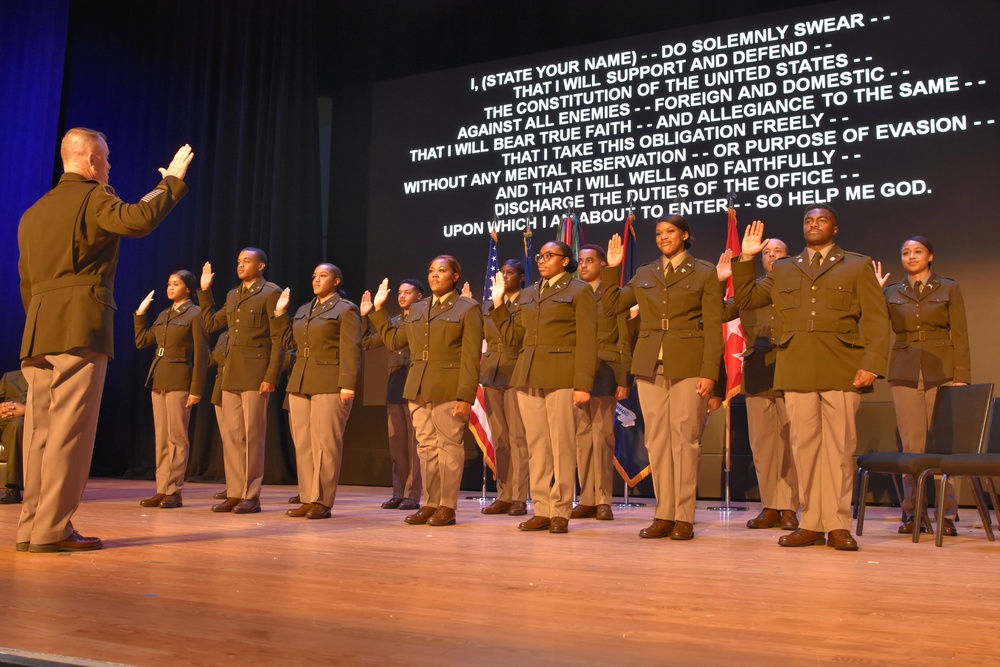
(236,81)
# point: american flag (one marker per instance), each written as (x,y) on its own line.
(479,423)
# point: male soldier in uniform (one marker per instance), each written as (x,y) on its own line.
(253,365)
(69,243)
(834,344)
(767,419)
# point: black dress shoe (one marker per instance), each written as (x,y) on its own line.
(318,512)
(408,504)
(559,524)
(11,495)
(535,523)
(172,501)
(220,495)
(518,508)
(392,503)
(300,511)
(154,501)
(659,528)
(226,506)
(75,542)
(247,506)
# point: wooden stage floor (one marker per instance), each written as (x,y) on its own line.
(189,587)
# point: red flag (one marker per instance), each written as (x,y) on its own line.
(732,331)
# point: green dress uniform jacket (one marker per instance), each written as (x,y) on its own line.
(614,350)
(254,353)
(397,361)
(681,317)
(69,243)
(497,365)
(932,337)
(557,332)
(181,358)
(833,323)
(445,345)
(327,343)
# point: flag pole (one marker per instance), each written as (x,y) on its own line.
(727,439)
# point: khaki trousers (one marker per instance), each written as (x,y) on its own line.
(243,428)
(509,444)
(170,424)
(675,416)
(403,452)
(824,436)
(60,423)
(550,428)
(595,450)
(767,421)
(441,451)
(317,422)
(914,408)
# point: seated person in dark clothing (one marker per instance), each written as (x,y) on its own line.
(13,397)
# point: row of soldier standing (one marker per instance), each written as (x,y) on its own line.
(545,388)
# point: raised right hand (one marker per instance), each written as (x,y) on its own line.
(615,251)
(497,290)
(366,303)
(206,276)
(283,299)
(882,280)
(753,239)
(724,269)
(144,306)
(179,165)
(381,294)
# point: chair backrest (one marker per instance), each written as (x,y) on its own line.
(993,443)
(961,419)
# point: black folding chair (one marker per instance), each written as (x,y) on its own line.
(958,426)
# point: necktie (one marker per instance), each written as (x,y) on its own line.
(541,286)
(669,271)
(918,287)
(817,261)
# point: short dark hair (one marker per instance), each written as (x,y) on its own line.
(596,248)
(415,284)
(261,255)
(188,279)
(822,205)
